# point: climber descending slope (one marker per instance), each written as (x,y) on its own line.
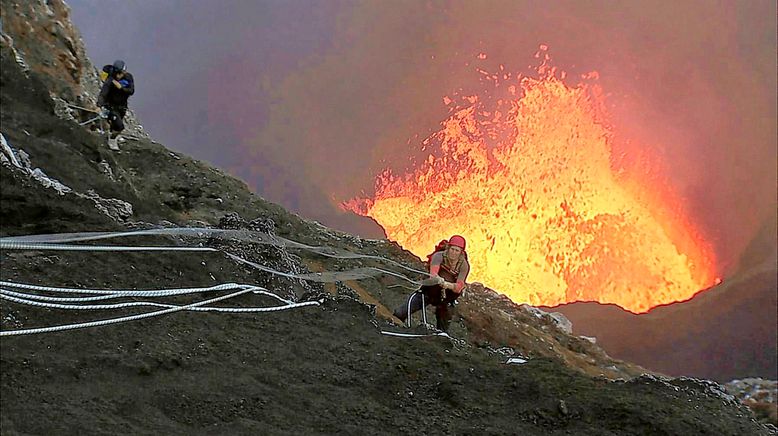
(449,266)
(118,86)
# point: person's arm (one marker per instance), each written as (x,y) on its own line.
(435,262)
(128,87)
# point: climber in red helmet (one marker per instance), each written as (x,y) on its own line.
(449,268)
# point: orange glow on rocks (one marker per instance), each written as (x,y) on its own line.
(549,214)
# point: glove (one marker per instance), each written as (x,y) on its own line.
(104,112)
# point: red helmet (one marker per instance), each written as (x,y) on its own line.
(457,241)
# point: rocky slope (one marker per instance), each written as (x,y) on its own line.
(316,369)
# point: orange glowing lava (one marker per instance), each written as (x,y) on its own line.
(549,217)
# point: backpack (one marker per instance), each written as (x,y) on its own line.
(440,247)
(106,73)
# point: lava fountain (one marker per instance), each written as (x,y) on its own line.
(550,215)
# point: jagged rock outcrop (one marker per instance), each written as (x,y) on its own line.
(42,39)
(760,395)
(116,209)
(46,41)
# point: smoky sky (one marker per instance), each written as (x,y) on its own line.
(308,100)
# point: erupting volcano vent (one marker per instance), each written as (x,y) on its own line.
(549,214)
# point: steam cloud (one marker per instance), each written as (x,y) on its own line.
(307,101)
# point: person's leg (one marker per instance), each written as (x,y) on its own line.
(117,123)
(122,111)
(414,301)
(443,311)
(443,316)
(115,126)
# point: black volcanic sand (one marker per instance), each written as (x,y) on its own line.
(310,370)
(313,370)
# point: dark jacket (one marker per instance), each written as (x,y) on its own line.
(112,96)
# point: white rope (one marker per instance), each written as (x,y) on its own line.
(121,319)
(407,335)
(153,292)
(59,247)
(91,120)
(48,242)
(81,107)
(60,299)
(149,303)
(143,315)
(331,277)
(245,235)
(109,293)
(353,274)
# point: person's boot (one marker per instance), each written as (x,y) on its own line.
(443,317)
(113,143)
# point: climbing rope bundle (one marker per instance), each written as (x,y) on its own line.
(202,306)
(21,293)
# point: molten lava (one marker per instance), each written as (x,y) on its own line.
(549,216)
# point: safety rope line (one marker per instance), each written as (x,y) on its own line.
(91,120)
(107,293)
(408,335)
(329,276)
(49,242)
(81,107)
(145,315)
(4,296)
(59,247)
(121,319)
(142,293)
(321,277)
(201,232)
